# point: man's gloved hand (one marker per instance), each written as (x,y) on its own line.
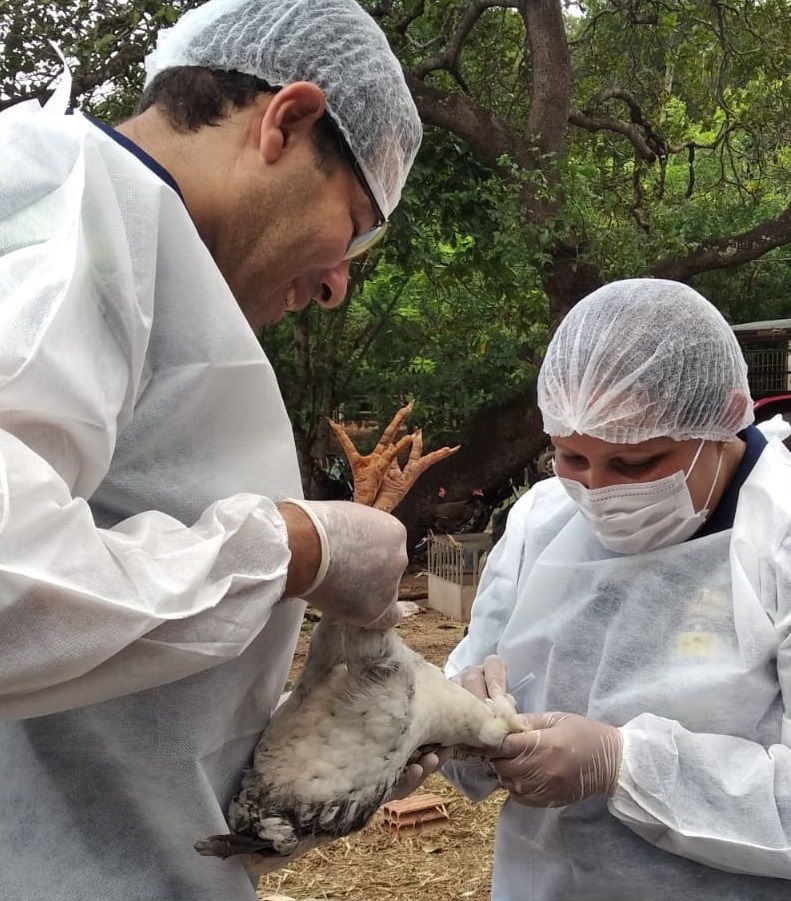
(564,759)
(363,556)
(417,773)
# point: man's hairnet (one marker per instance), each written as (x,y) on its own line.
(332,43)
(644,358)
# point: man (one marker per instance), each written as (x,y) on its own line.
(150,564)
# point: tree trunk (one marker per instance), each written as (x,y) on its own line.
(497,443)
(567,280)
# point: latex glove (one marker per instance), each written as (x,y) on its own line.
(363,556)
(566,758)
(487,681)
(416,773)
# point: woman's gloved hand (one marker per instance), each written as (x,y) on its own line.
(564,758)
(487,681)
(363,556)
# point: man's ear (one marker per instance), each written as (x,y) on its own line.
(291,113)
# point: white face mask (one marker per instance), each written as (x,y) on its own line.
(635,517)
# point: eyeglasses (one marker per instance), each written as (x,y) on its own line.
(362,243)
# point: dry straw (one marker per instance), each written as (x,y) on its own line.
(450,863)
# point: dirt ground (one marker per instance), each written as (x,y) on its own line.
(447,863)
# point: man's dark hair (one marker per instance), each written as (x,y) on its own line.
(195,96)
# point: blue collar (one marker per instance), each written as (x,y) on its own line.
(144,158)
(725,512)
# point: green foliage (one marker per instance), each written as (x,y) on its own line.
(454,308)
(714,75)
(104,42)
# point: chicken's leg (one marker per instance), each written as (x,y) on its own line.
(325,652)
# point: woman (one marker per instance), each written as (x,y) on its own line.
(645,592)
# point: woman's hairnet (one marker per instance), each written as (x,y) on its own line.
(644,358)
(332,43)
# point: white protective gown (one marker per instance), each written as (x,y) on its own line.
(143,639)
(688,650)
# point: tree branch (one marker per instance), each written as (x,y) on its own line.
(404,23)
(730,251)
(541,142)
(487,134)
(608,123)
(648,144)
(632,12)
(448,59)
(381,10)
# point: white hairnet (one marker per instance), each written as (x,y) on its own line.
(644,358)
(332,43)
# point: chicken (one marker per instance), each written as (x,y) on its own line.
(364,706)
(459,517)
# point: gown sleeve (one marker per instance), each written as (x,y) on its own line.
(720,800)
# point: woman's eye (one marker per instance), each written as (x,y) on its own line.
(628,466)
(574,461)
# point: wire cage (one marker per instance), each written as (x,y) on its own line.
(767,350)
(767,369)
(455,563)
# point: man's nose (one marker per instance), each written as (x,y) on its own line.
(333,284)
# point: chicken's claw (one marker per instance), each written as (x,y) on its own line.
(378,478)
(226,846)
(397,481)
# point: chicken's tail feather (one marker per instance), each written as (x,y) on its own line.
(228,845)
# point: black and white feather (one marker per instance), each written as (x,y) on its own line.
(364,706)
